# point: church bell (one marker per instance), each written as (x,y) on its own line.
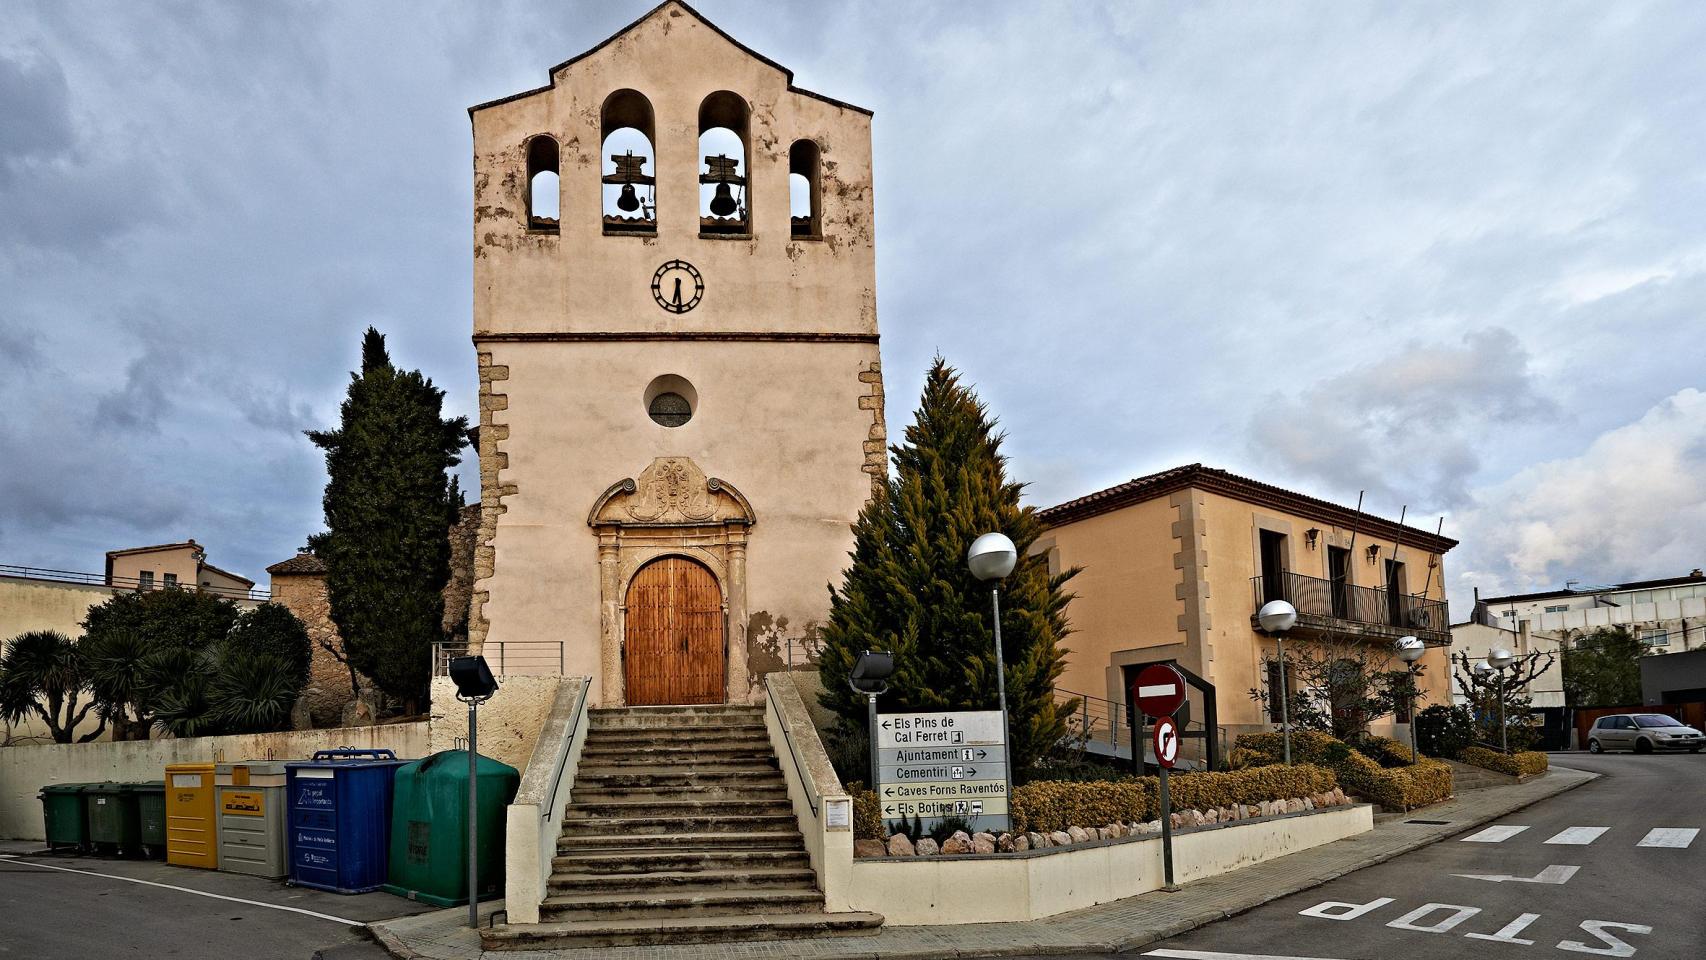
(721,171)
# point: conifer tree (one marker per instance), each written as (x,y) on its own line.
(389,505)
(908,590)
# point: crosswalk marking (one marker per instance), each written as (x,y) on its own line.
(1577,836)
(1497,834)
(1676,838)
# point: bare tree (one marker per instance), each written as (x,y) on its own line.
(1341,683)
(1499,698)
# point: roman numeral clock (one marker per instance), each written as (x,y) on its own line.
(677,286)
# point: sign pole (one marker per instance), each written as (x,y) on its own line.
(1167,834)
(473,814)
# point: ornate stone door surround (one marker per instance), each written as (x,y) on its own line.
(671,508)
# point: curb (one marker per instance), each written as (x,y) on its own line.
(395,947)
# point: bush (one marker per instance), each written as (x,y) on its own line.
(1203,791)
(1443,731)
(1050,805)
(1398,788)
(867,814)
(1526,763)
(1385,751)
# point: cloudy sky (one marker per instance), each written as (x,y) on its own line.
(1451,255)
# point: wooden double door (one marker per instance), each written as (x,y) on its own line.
(673,647)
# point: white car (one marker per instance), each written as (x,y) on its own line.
(1643,733)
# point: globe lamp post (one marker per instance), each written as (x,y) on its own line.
(1276,617)
(1409,650)
(1500,658)
(991,558)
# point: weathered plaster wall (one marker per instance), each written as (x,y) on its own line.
(328,687)
(27,605)
(25,770)
(509,722)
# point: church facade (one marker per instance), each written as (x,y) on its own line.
(681,402)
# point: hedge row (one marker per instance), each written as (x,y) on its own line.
(1385,751)
(867,814)
(1399,787)
(1522,764)
(1049,805)
(1204,791)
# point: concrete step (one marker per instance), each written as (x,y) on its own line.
(660,778)
(646,806)
(675,753)
(606,718)
(777,836)
(664,881)
(629,861)
(629,828)
(672,930)
(620,766)
(751,793)
(751,731)
(680,903)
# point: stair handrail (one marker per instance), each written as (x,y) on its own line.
(813,799)
(563,754)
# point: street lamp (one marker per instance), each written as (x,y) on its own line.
(870,677)
(474,686)
(992,557)
(1410,649)
(1500,658)
(1276,617)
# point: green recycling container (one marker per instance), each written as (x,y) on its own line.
(115,822)
(65,815)
(429,828)
(151,811)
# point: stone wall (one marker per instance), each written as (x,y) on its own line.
(509,722)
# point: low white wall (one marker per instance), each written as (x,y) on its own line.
(1030,886)
(535,817)
(25,770)
(823,808)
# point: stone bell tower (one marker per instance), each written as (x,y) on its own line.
(681,404)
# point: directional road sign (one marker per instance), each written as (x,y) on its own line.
(1159,690)
(954,729)
(937,765)
(1166,742)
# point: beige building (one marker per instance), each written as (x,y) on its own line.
(680,395)
(174,565)
(1176,564)
(1668,614)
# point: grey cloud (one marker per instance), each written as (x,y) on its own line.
(35,109)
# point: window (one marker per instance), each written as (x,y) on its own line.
(626,138)
(1560,608)
(145,579)
(671,400)
(1339,580)
(1272,547)
(805,222)
(171,579)
(543,194)
(723,176)
(1395,593)
(1655,638)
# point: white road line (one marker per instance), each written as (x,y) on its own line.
(1676,838)
(1217,955)
(1494,835)
(200,893)
(1577,836)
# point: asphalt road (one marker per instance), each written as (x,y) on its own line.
(1578,883)
(48,912)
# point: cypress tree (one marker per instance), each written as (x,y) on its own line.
(909,591)
(389,506)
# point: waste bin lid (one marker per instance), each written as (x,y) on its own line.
(108,787)
(346,757)
(149,786)
(57,788)
(189,768)
(257,768)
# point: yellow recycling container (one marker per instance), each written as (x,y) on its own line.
(192,838)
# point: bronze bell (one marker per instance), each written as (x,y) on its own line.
(723,204)
(628,201)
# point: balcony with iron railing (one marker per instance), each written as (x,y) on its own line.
(1334,606)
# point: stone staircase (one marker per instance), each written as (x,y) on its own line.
(679,830)
(1469,777)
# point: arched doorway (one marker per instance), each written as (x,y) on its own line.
(673,646)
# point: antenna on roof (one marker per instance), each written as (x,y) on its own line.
(1351,551)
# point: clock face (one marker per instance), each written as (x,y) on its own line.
(677,287)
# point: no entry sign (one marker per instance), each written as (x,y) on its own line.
(1158,691)
(1166,743)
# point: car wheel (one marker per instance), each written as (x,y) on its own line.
(1643,745)
(1693,749)
(1594,747)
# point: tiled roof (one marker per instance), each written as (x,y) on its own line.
(235,576)
(1241,488)
(301,563)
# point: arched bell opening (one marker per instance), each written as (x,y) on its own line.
(629,181)
(724,201)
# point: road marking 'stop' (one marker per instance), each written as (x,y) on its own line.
(1676,838)
(1497,834)
(1577,836)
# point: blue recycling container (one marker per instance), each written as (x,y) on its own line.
(340,818)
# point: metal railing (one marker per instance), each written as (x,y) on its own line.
(568,747)
(125,583)
(1097,725)
(813,799)
(519,659)
(1337,600)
